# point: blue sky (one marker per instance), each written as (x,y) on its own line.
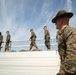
(19,16)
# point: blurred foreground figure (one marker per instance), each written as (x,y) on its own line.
(66,43)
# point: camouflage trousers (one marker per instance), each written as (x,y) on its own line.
(0,46)
(68,67)
(7,46)
(47,44)
(33,44)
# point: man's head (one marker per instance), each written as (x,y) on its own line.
(7,32)
(45,27)
(31,30)
(61,22)
(62,18)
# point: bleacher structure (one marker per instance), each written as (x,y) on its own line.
(29,63)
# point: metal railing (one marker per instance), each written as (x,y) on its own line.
(17,43)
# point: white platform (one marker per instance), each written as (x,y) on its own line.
(29,63)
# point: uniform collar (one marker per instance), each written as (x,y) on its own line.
(64,29)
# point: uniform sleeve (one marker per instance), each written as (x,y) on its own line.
(45,32)
(71,39)
(32,35)
(57,35)
(2,37)
(71,44)
(8,38)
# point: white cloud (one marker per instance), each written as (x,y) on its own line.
(70,9)
(46,8)
(10,12)
(46,12)
(21,33)
(68,5)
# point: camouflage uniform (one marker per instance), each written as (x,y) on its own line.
(47,39)
(57,35)
(1,39)
(33,39)
(7,42)
(67,51)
